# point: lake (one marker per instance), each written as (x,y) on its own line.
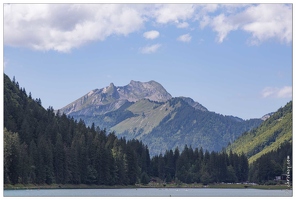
(148,192)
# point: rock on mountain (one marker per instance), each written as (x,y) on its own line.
(137,90)
(265,117)
(110,98)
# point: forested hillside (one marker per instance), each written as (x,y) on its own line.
(41,147)
(269,136)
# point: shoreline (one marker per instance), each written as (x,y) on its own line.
(86,186)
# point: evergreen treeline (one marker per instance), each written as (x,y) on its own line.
(197,166)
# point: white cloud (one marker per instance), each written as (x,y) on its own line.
(222,26)
(151,35)
(150,49)
(263,21)
(167,13)
(184,38)
(62,27)
(269,21)
(274,92)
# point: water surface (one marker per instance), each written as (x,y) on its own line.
(149,192)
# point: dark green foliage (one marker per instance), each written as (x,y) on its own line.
(198,167)
(272,164)
(11,157)
(145,178)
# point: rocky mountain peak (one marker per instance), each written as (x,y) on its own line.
(151,90)
(109,89)
(100,101)
(132,82)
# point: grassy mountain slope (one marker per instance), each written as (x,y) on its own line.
(147,116)
(267,137)
(166,125)
(185,125)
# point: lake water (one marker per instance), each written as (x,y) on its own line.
(148,192)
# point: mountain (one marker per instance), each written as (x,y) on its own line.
(110,98)
(146,111)
(178,124)
(275,131)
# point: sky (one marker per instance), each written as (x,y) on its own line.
(234,59)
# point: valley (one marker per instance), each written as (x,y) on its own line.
(174,140)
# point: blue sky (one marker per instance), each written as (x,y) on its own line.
(235,59)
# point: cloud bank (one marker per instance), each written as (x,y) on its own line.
(63,27)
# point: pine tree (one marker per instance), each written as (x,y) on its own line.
(59,160)
(11,157)
(132,167)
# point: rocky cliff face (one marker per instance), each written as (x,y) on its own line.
(110,98)
(137,90)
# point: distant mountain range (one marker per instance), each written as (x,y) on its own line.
(146,111)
